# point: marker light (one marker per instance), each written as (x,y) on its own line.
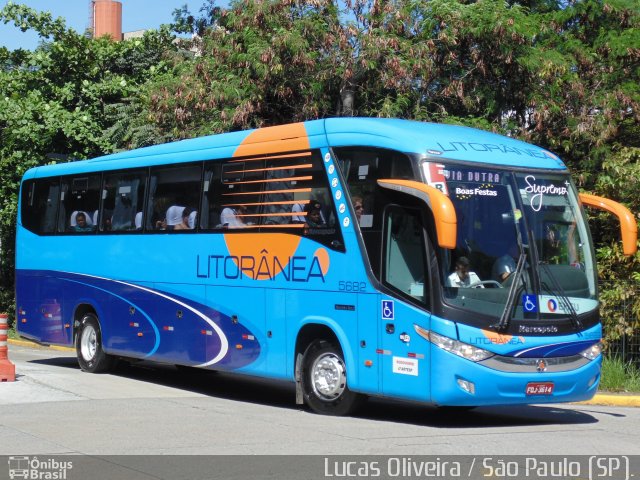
(592,352)
(450,345)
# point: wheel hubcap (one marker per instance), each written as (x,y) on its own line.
(328,376)
(88,343)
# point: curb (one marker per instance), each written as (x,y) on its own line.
(614,400)
(27,343)
(606,399)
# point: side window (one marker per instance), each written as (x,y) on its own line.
(404,261)
(285,192)
(123,199)
(173,198)
(79,204)
(362,168)
(40,200)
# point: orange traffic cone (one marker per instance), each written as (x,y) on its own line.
(7,369)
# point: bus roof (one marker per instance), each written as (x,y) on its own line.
(430,139)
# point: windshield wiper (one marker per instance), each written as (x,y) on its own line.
(516,287)
(559,292)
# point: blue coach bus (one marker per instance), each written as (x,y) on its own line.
(355,257)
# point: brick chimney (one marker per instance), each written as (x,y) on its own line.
(107,19)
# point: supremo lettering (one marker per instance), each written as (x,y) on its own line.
(233,267)
(539,191)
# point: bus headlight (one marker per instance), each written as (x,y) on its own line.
(592,352)
(461,349)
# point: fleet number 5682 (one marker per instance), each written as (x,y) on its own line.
(345,286)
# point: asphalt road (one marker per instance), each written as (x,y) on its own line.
(54,408)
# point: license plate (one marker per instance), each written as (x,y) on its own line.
(539,388)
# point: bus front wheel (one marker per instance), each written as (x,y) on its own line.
(324,380)
(91,356)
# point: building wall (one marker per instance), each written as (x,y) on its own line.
(134,34)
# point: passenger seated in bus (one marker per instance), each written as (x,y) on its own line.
(358,207)
(463,277)
(193,218)
(138,221)
(504,266)
(80,222)
(174,216)
(103,220)
(232,217)
(297,210)
(184,224)
(313,217)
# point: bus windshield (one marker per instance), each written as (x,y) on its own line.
(501,216)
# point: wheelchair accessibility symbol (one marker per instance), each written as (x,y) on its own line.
(387,310)
(530,303)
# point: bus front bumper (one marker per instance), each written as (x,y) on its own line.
(456,381)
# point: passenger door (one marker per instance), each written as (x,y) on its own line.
(405,356)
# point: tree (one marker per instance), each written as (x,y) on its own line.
(55,104)
(619,275)
(257,63)
(533,71)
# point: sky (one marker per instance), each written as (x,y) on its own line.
(136,15)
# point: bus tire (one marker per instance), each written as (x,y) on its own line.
(91,356)
(324,381)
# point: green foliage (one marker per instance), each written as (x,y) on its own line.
(185,22)
(55,103)
(262,62)
(619,376)
(12,334)
(620,275)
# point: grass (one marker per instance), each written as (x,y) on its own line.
(619,376)
(12,333)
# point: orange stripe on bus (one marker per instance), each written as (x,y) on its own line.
(271,169)
(284,225)
(271,180)
(271,157)
(278,245)
(284,202)
(269,192)
(281,214)
(280,139)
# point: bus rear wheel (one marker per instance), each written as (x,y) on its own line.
(91,356)
(324,381)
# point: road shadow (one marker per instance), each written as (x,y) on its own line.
(214,384)
(199,381)
(65,362)
(281,394)
(480,417)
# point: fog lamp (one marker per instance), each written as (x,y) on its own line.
(467,386)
